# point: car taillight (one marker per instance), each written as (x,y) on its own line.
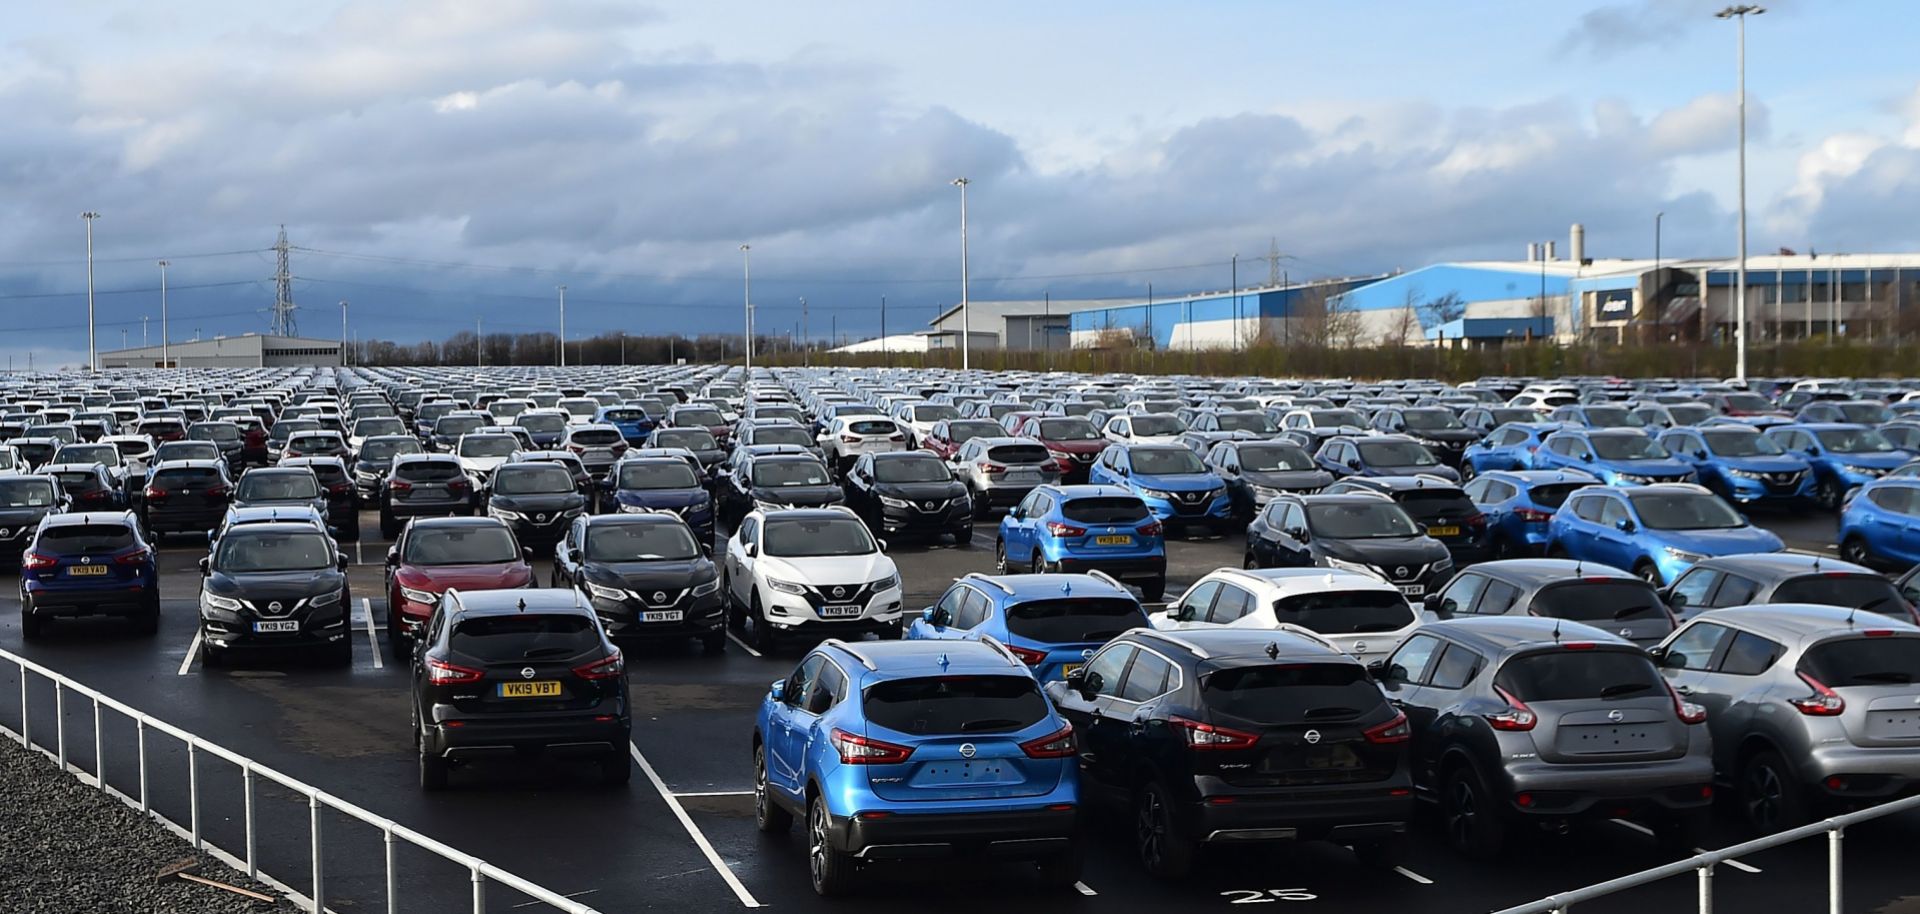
(457,485)
(35,561)
(1027,655)
(95,495)
(1152,528)
(577,448)
(1517,716)
(861,750)
(611,667)
(1689,712)
(1207,737)
(1059,529)
(136,557)
(1824,702)
(850,439)
(896,437)
(440,672)
(1396,730)
(218,490)
(1532,515)
(155,492)
(340,488)
(1058,744)
(992,468)
(1477,520)
(400,485)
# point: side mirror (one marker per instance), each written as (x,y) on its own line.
(1676,601)
(1587,457)
(1624,525)
(212,537)
(342,563)
(1123,471)
(526,554)
(1015,512)
(1298,533)
(883,545)
(206,565)
(1180,613)
(936,617)
(1077,680)
(393,556)
(751,549)
(1090,684)
(1378,670)
(1813,450)
(1353,463)
(778,691)
(1433,605)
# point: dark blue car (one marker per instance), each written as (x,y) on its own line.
(669,484)
(93,563)
(1519,503)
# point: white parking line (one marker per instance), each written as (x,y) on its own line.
(1633,825)
(529,904)
(1742,867)
(193,650)
(373,641)
(1416,877)
(693,831)
(716,793)
(1084,889)
(743,646)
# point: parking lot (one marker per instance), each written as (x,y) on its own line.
(683,836)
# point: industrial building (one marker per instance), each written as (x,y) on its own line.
(1215,320)
(898,342)
(250,350)
(1040,323)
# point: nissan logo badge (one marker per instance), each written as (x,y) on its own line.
(659,596)
(1359,647)
(967,750)
(1088,655)
(85,560)
(526,672)
(273,607)
(540,517)
(930,506)
(1616,716)
(1312,737)
(1400,572)
(839,591)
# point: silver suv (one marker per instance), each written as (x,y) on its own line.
(999,472)
(1811,707)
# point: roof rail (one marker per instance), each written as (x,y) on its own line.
(1101,575)
(994,643)
(982,578)
(864,661)
(1305,632)
(1171,638)
(455,594)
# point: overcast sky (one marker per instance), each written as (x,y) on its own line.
(453,159)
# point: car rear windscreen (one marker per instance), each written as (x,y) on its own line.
(1553,495)
(86,538)
(429,470)
(595,437)
(1019,453)
(872,427)
(1450,503)
(1599,601)
(1573,675)
(524,636)
(955,704)
(1349,612)
(693,439)
(174,477)
(1073,620)
(1864,661)
(1854,591)
(1105,510)
(1291,693)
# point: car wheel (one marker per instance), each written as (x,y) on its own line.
(433,769)
(1502,548)
(1048,567)
(714,643)
(616,769)
(1250,561)
(1062,871)
(762,632)
(962,536)
(1649,572)
(981,509)
(768,816)
(1829,494)
(832,870)
(212,657)
(1000,557)
(30,625)
(1475,826)
(1467,472)
(1164,851)
(1854,549)
(389,525)
(1154,589)
(1769,796)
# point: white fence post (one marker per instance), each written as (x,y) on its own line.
(1706,889)
(140,727)
(60,722)
(1834,840)
(193,794)
(246,776)
(319,884)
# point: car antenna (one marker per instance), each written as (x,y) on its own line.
(1850,614)
(1556,628)
(521,605)
(1273,650)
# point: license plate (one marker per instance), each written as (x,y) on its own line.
(545,689)
(1069,668)
(662,615)
(1897,725)
(840,612)
(272,628)
(1022,475)
(1443,531)
(1413,590)
(1113,540)
(428,490)
(83,571)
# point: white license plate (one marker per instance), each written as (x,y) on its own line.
(1023,476)
(840,612)
(1413,590)
(662,615)
(268,628)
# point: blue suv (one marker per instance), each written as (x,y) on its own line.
(632,421)
(1176,484)
(638,485)
(1616,456)
(1880,527)
(1656,532)
(1052,622)
(1741,465)
(93,563)
(908,750)
(1509,447)
(1085,528)
(1844,456)
(1520,503)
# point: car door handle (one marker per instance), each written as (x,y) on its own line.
(1684,690)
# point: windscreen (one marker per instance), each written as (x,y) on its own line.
(1741,444)
(1599,602)
(1864,661)
(130,448)
(524,636)
(507,409)
(955,704)
(595,437)
(693,439)
(176,477)
(1360,520)
(1854,591)
(214,431)
(1105,510)
(1853,441)
(543,423)
(277,486)
(1349,612)
(1749,403)
(1612,417)
(242,552)
(533,479)
(87,539)
(781,434)
(1627,447)
(455,426)
(661,475)
(488,445)
(579,406)
(1068,430)
(1247,422)
(1157,426)
(934,412)
(1574,675)
(1274,458)
(1333,418)
(1073,620)
(786,412)
(698,417)
(1395,454)
(187,450)
(783,473)
(25,493)
(1866,413)
(1167,462)
(813,537)
(914,469)
(1690,413)
(1291,693)
(377,449)
(641,543)
(429,471)
(382,425)
(1685,511)
(104,454)
(1432,420)
(465,545)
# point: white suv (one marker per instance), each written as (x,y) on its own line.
(814,571)
(1145,428)
(1359,614)
(482,452)
(848,437)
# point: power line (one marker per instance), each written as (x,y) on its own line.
(140,291)
(143,259)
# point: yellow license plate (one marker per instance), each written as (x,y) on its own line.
(1443,531)
(1069,668)
(529,689)
(1113,540)
(81,571)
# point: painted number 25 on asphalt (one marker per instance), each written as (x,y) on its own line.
(1266,896)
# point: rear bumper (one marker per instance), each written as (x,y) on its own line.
(493,736)
(1342,814)
(1126,568)
(1610,790)
(125,598)
(1863,773)
(1018,834)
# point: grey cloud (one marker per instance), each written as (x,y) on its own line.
(1619,28)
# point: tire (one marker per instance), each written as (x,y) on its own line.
(1854,549)
(1164,851)
(148,620)
(1061,871)
(962,536)
(1557,551)
(831,870)
(1828,494)
(1770,798)
(1679,833)
(340,654)
(350,531)
(1155,589)
(30,625)
(1503,548)
(616,770)
(212,657)
(433,769)
(1648,572)
(389,525)
(1047,567)
(398,643)
(715,643)
(1474,825)
(1000,557)
(1250,562)
(768,816)
(981,509)
(762,632)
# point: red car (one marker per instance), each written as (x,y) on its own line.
(435,554)
(948,434)
(1072,440)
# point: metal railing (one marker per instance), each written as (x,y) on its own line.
(480,873)
(1702,864)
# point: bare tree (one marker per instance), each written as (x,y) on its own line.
(1404,326)
(1443,310)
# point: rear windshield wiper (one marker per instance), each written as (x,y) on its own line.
(1331,713)
(1376,627)
(1630,611)
(988,723)
(1624,688)
(1893,676)
(546,652)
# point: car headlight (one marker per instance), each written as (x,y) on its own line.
(634,509)
(1266,492)
(1745,474)
(504,514)
(326,599)
(759,505)
(219,602)
(1445,564)
(1863,471)
(889,582)
(605,593)
(419,596)
(1156,493)
(574,511)
(786,586)
(1682,555)
(1636,480)
(701,590)
(892,502)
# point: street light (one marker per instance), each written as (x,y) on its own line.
(563,326)
(1740,13)
(93,351)
(746,279)
(164,336)
(343,331)
(966,314)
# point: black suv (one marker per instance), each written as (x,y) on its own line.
(537,499)
(375,461)
(1599,595)
(288,487)
(343,502)
(1442,509)
(273,587)
(1434,426)
(185,496)
(1367,533)
(910,492)
(646,576)
(511,673)
(1522,721)
(1234,736)
(776,480)
(423,485)
(24,502)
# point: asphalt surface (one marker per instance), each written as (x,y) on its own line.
(682,836)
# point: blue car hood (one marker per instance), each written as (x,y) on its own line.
(1184,482)
(1762,464)
(1886,461)
(1644,467)
(1720,542)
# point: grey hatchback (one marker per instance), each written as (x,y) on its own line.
(1599,595)
(1813,707)
(1536,721)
